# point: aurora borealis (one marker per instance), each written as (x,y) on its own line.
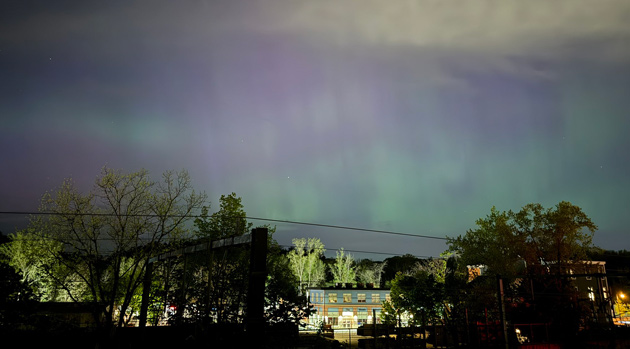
(411,116)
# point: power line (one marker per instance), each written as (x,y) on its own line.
(370,252)
(387,232)
(350,228)
(288,247)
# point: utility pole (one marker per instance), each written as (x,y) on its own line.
(374,325)
(501,297)
(255,321)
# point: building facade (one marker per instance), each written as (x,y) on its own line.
(346,307)
(588,278)
(592,289)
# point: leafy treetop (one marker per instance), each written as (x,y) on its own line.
(533,239)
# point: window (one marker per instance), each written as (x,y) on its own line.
(591,294)
(333,316)
(332,298)
(347,297)
(361,298)
(362,315)
(376,298)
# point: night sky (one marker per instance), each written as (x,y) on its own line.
(408,116)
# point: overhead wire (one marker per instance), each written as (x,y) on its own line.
(241,217)
(377,231)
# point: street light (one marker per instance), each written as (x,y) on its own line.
(621,307)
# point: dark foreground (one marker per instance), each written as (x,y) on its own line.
(189,337)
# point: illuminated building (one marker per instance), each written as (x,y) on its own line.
(346,307)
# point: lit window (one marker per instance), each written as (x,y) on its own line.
(361,298)
(347,297)
(362,315)
(333,316)
(591,294)
(376,298)
(332,298)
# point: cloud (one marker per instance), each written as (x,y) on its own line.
(505,27)
(480,25)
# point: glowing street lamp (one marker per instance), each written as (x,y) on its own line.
(621,307)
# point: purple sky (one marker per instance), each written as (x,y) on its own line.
(413,116)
